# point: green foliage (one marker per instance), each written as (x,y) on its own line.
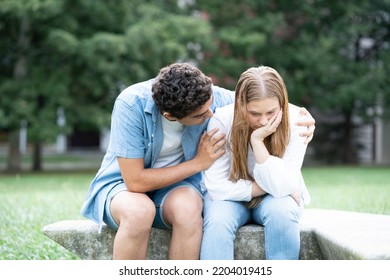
(38,9)
(165,40)
(78,55)
(332,55)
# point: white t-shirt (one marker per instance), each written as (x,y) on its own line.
(171,151)
(277,176)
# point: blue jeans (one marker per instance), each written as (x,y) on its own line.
(279,216)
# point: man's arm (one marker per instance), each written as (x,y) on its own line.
(140,179)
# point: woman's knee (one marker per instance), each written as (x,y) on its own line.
(285,208)
(224,216)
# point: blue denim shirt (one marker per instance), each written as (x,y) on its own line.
(136,132)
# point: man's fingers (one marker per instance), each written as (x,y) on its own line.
(296,197)
(218,153)
(213,138)
(213,143)
(302,111)
(306,119)
(211,133)
(215,146)
(309,133)
(305,122)
(309,139)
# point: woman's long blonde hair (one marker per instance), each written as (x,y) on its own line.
(256,83)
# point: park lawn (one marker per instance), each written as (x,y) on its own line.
(360,189)
(30,201)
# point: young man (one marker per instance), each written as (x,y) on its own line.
(151,173)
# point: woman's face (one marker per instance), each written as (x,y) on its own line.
(260,111)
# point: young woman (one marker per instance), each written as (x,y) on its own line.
(258,179)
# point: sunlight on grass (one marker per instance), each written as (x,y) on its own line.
(361,189)
(31,201)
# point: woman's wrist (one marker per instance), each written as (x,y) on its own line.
(256,190)
(260,151)
(255,140)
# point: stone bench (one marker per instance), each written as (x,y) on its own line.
(325,234)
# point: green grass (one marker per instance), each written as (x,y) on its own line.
(30,201)
(360,189)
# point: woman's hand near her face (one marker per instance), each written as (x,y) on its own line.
(257,138)
(266,130)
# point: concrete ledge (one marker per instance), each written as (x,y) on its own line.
(343,235)
(325,234)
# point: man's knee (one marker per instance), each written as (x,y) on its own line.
(184,206)
(133,210)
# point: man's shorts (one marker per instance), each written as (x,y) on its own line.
(158,197)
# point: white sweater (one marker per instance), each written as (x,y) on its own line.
(277,176)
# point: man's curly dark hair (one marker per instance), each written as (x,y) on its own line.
(181,89)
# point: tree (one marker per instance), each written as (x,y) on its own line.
(333,55)
(343,52)
(77,55)
(20,99)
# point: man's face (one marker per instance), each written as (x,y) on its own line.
(200,116)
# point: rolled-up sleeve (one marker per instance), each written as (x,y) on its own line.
(126,137)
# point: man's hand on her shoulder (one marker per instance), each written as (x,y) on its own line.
(210,148)
(306,119)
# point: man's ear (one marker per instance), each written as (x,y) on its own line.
(169,117)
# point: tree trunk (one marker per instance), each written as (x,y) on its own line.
(349,153)
(20,72)
(37,156)
(13,161)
